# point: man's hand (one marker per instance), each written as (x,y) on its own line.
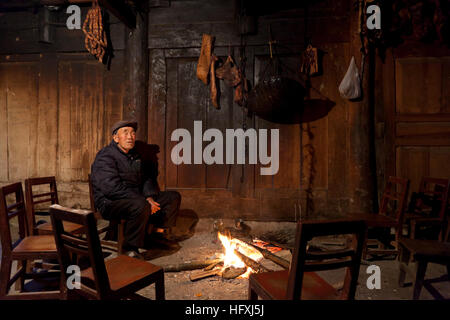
(154,205)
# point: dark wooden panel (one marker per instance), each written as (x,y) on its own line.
(172,115)
(439,162)
(423,129)
(20,34)
(89,103)
(412,163)
(218,175)
(335,62)
(191,107)
(218,203)
(157,109)
(182,25)
(421,117)
(417,162)
(261,181)
(419,85)
(48,116)
(3,123)
(315,154)
(113,89)
(389,88)
(193,11)
(190,35)
(445,85)
(21,103)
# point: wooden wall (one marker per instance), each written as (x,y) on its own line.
(56,105)
(416,116)
(177,98)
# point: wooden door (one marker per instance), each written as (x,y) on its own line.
(418,115)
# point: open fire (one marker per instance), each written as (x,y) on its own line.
(232,260)
(239,259)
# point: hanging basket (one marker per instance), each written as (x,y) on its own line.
(277,99)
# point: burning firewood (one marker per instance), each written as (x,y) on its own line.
(194,276)
(277,244)
(212,265)
(268,255)
(232,272)
(257,267)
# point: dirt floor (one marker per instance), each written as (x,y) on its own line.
(197,240)
(203,244)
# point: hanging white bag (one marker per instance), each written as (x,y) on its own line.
(350,87)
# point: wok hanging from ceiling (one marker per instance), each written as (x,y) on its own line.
(277,98)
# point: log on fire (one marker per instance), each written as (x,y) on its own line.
(269,255)
(190,265)
(257,267)
(194,276)
(232,272)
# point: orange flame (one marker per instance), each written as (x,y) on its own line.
(230,259)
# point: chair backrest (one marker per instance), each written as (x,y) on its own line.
(437,190)
(304,260)
(33,198)
(91,193)
(394,198)
(69,244)
(9,211)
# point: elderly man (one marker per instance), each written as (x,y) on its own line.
(123,189)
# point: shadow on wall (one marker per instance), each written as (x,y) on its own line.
(187,218)
(149,158)
(282,100)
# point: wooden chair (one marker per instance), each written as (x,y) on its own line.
(114,225)
(33,198)
(115,278)
(424,252)
(429,206)
(301,282)
(390,215)
(26,248)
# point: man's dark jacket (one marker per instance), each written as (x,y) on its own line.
(117,175)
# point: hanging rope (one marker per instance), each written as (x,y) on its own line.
(95,41)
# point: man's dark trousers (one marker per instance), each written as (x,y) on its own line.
(137,213)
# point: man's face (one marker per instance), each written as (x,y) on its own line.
(125,138)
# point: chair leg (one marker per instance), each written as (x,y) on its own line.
(418,284)
(364,248)
(252,293)
(404,258)
(159,288)
(20,284)
(5,274)
(120,238)
(63,287)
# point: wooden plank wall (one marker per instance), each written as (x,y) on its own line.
(177,98)
(67,102)
(56,106)
(422,117)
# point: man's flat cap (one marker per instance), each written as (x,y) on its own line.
(124,123)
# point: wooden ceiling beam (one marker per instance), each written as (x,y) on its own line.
(121,10)
(117,7)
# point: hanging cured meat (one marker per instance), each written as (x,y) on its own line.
(204,61)
(229,72)
(212,74)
